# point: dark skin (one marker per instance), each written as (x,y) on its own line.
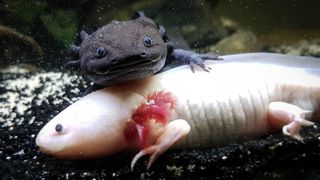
(128,50)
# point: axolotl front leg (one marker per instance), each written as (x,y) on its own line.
(173,132)
(150,123)
(191,58)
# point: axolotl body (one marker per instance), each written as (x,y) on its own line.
(245,95)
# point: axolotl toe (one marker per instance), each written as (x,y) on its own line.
(245,96)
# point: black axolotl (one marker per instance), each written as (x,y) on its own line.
(127,50)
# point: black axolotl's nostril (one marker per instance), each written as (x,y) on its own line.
(59,128)
(143,54)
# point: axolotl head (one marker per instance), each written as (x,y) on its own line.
(91,127)
(121,51)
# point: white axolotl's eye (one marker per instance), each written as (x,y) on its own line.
(59,128)
(54,137)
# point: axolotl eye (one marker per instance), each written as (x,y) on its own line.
(148,42)
(100,52)
(59,128)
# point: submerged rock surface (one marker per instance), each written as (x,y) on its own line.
(30,99)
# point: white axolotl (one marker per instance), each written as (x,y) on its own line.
(244,95)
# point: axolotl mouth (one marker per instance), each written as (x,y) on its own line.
(133,67)
(132,62)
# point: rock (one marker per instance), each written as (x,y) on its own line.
(303,42)
(302,47)
(16,47)
(238,42)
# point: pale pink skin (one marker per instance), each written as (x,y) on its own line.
(243,95)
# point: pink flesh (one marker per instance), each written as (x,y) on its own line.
(158,107)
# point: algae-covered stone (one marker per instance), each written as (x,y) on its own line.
(303,41)
(16,47)
(62,24)
(241,41)
(302,47)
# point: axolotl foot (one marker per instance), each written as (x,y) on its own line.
(174,131)
(150,124)
(193,59)
(290,117)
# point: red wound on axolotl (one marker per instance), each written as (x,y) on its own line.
(157,108)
